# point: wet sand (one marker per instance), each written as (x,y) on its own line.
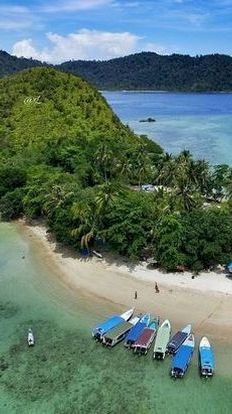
(205,301)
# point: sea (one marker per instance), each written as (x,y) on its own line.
(67,372)
(198,122)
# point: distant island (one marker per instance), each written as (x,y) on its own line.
(148,120)
(142,71)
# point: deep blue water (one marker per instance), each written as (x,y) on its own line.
(201,123)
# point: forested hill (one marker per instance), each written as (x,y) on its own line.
(144,70)
(151,71)
(43,107)
(12,64)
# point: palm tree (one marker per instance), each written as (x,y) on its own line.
(106,195)
(83,213)
(142,164)
(104,158)
(57,196)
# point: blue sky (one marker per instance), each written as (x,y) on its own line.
(59,30)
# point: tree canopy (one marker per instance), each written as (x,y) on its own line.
(146,70)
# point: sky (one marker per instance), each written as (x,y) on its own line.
(61,30)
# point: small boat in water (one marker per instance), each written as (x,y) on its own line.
(206,358)
(145,339)
(181,360)
(118,334)
(177,340)
(161,341)
(137,330)
(110,323)
(30,338)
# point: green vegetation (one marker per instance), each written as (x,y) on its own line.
(66,157)
(144,70)
(12,64)
(151,71)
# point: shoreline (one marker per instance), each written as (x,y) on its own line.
(204,301)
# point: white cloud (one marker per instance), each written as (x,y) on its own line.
(85,44)
(26,49)
(74,5)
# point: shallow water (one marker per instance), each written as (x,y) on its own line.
(66,372)
(201,123)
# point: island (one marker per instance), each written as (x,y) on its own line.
(148,120)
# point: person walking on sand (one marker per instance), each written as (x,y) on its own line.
(156,288)
(136,294)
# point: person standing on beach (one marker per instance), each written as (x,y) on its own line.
(156,288)
(136,294)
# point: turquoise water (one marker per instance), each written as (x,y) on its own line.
(201,123)
(66,372)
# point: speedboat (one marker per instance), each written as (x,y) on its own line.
(118,334)
(162,339)
(206,358)
(146,337)
(137,330)
(30,338)
(110,323)
(182,358)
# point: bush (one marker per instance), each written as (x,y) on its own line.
(11,204)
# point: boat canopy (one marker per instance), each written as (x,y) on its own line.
(177,340)
(182,357)
(135,331)
(207,357)
(118,330)
(108,324)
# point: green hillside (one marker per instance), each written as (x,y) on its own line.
(43,107)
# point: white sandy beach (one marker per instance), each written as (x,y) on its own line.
(205,301)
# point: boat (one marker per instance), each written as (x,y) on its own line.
(162,339)
(145,339)
(110,323)
(30,338)
(177,340)
(206,358)
(137,330)
(182,358)
(118,333)
(98,255)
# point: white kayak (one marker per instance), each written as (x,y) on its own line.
(30,338)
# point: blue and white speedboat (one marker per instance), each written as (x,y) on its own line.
(206,358)
(181,360)
(110,323)
(137,330)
